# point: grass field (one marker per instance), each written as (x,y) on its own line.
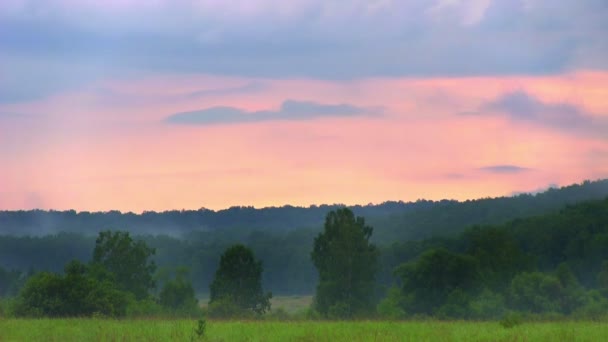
(183,330)
(291,304)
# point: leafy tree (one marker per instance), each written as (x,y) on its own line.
(178,294)
(430,281)
(238,281)
(498,254)
(540,292)
(347,264)
(127,260)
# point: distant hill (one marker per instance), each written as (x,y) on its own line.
(393,221)
(448,218)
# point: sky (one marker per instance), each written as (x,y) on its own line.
(157,105)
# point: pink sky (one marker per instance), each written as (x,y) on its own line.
(155,105)
(432,138)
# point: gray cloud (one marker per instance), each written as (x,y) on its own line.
(314,39)
(522,106)
(290,110)
(246,88)
(504,169)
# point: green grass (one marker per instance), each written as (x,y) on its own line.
(183,330)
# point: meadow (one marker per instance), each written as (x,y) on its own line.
(184,330)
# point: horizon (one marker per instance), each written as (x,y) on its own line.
(314,205)
(153,106)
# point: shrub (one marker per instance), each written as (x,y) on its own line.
(144,308)
(177,297)
(511,319)
(391,307)
(201,329)
(278,314)
(226,308)
(487,305)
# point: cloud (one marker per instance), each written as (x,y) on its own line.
(246,88)
(309,39)
(290,110)
(504,169)
(521,106)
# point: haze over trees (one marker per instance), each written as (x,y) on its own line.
(551,263)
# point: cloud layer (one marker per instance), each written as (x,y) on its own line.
(56,44)
(522,106)
(290,110)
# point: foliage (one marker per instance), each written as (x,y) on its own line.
(392,306)
(127,260)
(433,278)
(201,328)
(238,280)
(144,308)
(539,292)
(511,319)
(282,237)
(10,282)
(177,295)
(487,305)
(74,294)
(227,308)
(346,262)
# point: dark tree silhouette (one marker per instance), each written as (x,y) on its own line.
(346,262)
(238,281)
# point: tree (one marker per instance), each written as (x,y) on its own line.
(347,265)
(178,294)
(73,295)
(127,260)
(437,277)
(238,281)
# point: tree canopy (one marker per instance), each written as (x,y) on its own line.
(127,260)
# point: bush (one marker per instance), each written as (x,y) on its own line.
(201,329)
(144,308)
(595,309)
(488,305)
(278,314)
(177,297)
(6,307)
(511,319)
(226,308)
(456,306)
(391,307)
(73,295)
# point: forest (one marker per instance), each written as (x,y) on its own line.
(538,254)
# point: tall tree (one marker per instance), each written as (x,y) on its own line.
(127,260)
(347,264)
(238,281)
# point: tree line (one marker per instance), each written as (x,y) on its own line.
(554,264)
(393,220)
(400,234)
